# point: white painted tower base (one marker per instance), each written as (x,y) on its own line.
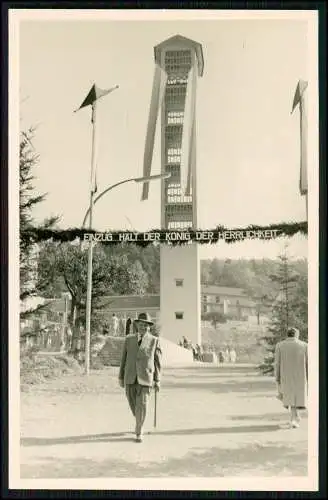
(180,305)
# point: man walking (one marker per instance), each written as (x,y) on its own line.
(140,369)
(291,369)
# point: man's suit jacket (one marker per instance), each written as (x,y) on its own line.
(141,363)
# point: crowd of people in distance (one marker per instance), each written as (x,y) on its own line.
(118,327)
(228,355)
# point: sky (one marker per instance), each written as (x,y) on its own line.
(247,140)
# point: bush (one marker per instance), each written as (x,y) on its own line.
(36,368)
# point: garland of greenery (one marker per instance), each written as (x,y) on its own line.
(171,237)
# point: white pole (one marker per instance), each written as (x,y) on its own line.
(307,212)
(90,255)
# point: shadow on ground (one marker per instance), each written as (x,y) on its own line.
(121,436)
(277,417)
(268,460)
(222,387)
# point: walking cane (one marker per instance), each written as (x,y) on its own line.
(155,410)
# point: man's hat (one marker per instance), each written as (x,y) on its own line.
(144,318)
(293,332)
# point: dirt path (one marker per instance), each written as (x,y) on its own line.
(212,422)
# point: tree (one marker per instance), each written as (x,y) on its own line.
(111,275)
(138,278)
(263,294)
(148,257)
(28,160)
(289,308)
(215,272)
(205,271)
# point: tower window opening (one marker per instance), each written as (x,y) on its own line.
(174,151)
(179,224)
(175,117)
(173,158)
(177,80)
(179,315)
(177,61)
(174,138)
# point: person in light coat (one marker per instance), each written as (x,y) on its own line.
(291,371)
(140,369)
(233,355)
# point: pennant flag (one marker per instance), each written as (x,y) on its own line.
(94,94)
(300,99)
(159,84)
(187,137)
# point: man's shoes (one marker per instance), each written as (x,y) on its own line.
(294,424)
(139,438)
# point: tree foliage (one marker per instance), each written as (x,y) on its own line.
(148,257)
(289,309)
(28,161)
(66,265)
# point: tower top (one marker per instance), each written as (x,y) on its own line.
(177,42)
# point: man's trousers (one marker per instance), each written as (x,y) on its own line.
(138,398)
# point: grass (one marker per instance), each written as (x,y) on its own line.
(244,336)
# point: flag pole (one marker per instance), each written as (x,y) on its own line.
(303,132)
(94,94)
(90,252)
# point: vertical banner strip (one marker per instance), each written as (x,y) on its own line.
(192,161)
(159,83)
(192,144)
(303,145)
(187,128)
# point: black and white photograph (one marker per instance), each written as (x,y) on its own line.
(163,250)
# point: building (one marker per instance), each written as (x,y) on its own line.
(230,301)
(129,306)
(178,64)
(233,302)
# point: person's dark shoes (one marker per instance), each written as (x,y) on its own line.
(139,438)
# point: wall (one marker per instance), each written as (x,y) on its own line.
(180,262)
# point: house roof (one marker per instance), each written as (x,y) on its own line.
(140,302)
(179,41)
(223,290)
(55,305)
(132,302)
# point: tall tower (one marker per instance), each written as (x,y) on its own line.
(178,63)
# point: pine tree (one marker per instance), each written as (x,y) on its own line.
(28,160)
(289,309)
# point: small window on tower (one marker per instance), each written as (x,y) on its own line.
(179,282)
(179,315)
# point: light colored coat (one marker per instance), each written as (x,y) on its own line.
(142,363)
(291,369)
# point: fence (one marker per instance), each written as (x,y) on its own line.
(48,331)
